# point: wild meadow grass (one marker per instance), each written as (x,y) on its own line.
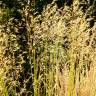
(51,54)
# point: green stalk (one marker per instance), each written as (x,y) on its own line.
(35,77)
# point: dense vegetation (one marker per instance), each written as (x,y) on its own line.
(47,47)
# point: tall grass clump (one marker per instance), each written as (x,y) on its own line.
(47,48)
